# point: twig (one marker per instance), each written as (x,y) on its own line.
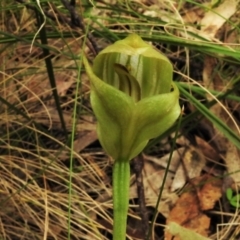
(77,21)
(138,164)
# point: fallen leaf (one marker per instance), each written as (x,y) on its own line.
(230,152)
(39,85)
(163,161)
(152,180)
(210,192)
(201,194)
(193,162)
(215,18)
(186,207)
(84,139)
(207,150)
(194,15)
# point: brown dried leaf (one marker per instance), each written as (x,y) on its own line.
(188,210)
(213,20)
(207,150)
(152,180)
(193,163)
(232,153)
(84,139)
(210,192)
(163,161)
(193,15)
(232,162)
(39,85)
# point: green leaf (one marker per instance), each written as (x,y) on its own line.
(184,233)
(235,201)
(229,194)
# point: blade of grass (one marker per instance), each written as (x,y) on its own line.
(233,137)
(49,66)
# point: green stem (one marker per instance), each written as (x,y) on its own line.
(121,178)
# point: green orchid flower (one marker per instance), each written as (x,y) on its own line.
(134,100)
(132,95)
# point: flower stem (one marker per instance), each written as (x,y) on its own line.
(121,178)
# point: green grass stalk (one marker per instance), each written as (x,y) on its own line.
(121,181)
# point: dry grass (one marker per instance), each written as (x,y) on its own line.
(41,197)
